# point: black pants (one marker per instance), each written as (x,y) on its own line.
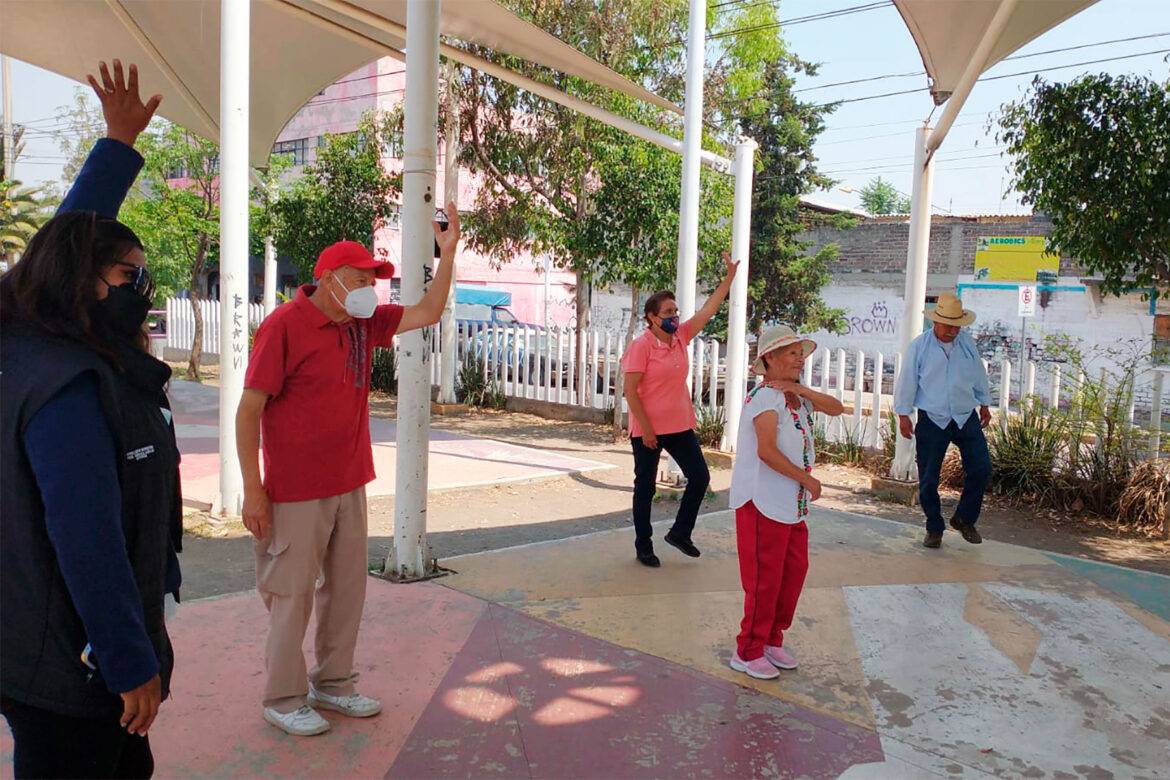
(50,745)
(684,448)
(931,442)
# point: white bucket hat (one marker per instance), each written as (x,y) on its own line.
(775,337)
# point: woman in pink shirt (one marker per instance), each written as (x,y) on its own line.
(662,416)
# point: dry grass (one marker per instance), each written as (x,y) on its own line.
(951,474)
(1143,503)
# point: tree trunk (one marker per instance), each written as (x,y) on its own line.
(584,320)
(197,341)
(193,371)
(620,381)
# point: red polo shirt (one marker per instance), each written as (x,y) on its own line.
(316,424)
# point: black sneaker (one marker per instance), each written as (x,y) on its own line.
(684,545)
(933,540)
(967,530)
(649,559)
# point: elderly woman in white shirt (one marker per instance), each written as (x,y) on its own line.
(771,487)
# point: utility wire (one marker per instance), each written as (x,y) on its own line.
(856,9)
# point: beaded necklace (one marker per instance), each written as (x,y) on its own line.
(806,457)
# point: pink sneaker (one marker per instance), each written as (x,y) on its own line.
(759,668)
(779,657)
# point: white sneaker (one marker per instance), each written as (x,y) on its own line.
(355,705)
(303,722)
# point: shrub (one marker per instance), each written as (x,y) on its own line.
(1103,446)
(476,389)
(384,371)
(709,426)
(1025,452)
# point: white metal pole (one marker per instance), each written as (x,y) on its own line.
(269,275)
(9,139)
(234,77)
(741,226)
(409,557)
(688,220)
(917,261)
(448,363)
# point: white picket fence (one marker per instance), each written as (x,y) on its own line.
(528,361)
(532,362)
(181,323)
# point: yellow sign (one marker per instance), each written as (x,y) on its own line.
(1015,259)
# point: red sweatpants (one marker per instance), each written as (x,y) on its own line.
(773,559)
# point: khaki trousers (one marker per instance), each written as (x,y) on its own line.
(316,552)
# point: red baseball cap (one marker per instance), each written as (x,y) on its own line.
(354,255)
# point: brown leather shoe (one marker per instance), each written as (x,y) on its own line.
(970,534)
(932,540)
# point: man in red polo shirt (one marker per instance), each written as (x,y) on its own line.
(307,390)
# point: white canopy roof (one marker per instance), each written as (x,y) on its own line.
(175,44)
(948,32)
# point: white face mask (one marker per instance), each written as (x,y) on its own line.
(359,303)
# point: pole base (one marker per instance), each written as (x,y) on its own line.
(433,571)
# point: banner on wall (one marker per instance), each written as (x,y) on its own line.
(1015,259)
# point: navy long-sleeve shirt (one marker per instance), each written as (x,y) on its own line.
(72,454)
(104,180)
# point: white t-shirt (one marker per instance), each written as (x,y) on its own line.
(778,497)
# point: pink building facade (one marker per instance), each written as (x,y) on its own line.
(538,296)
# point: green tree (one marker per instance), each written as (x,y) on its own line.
(1094,155)
(345,194)
(630,234)
(22,212)
(881,197)
(546,168)
(176,214)
(79,126)
(785,280)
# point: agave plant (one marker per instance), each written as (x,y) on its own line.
(22,212)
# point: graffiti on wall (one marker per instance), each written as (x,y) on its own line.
(877,320)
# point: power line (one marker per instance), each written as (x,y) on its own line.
(1003,76)
(900,166)
(1005,59)
(801,19)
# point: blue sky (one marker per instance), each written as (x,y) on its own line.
(864,139)
(879,134)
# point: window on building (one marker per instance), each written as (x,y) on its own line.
(298,148)
(394,146)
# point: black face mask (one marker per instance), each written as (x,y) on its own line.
(124,310)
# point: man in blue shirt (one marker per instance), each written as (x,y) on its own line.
(944,378)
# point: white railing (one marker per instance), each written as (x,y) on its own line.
(532,362)
(181,323)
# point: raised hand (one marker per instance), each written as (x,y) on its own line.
(448,239)
(731,267)
(126,115)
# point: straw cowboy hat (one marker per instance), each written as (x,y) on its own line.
(949,311)
(773,338)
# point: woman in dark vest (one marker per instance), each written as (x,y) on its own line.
(89,497)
